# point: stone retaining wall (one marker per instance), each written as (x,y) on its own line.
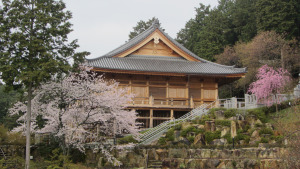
(204,158)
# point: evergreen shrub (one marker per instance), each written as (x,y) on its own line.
(191,139)
(230,113)
(266,131)
(210,136)
(187,130)
(170,135)
(177,127)
(264,140)
(162,141)
(223,122)
(259,113)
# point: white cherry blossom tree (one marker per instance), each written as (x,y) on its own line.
(80,108)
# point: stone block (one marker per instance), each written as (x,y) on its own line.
(219,142)
(199,139)
(185,125)
(210,126)
(220,115)
(224,131)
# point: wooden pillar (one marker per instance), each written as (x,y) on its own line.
(192,105)
(167,92)
(151,100)
(151,118)
(187,92)
(217,95)
(148,89)
(202,93)
(130,86)
(172,115)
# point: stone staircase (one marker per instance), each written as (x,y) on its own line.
(154,164)
(156,132)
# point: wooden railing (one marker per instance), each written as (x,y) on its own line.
(163,102)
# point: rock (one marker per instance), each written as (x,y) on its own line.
(258,122)
(219,142)
(210,126)
(272,142)
(213,126)
(254,137)
(191,134)
(266,135)
(162,154)
(201,126)
(220,115)
(263,145)
(251,120)
(285,142)
(242,142)
(269,125)
(255,134)
(215,163)
(199,139)
(232,118)
(184,141)
(219,127)
(221,165)
(240,117)
(176,135)
(185,125)
(224,131)
(178,153)
(242,123)
(205,153)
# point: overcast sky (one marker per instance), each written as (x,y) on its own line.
(102,25)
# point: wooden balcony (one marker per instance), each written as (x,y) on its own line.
(164,102)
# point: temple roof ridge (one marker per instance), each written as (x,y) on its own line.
(142,36)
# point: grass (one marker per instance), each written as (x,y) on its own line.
(286,116)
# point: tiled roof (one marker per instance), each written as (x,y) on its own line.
(162,64)
(159,63)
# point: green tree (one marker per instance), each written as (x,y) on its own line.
(210,31)
(282,16)
(34,46)
(7,99)
(140,27)
(189,35)
(244,19)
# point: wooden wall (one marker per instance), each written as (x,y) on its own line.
(201,89)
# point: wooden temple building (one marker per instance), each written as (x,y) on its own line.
(167,79)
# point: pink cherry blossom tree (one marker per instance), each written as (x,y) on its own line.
(80,108)
(269,83)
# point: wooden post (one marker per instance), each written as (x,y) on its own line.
(151,118)
(167,93)
(192,105)
(172,115)
(202,93)
(151,100)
